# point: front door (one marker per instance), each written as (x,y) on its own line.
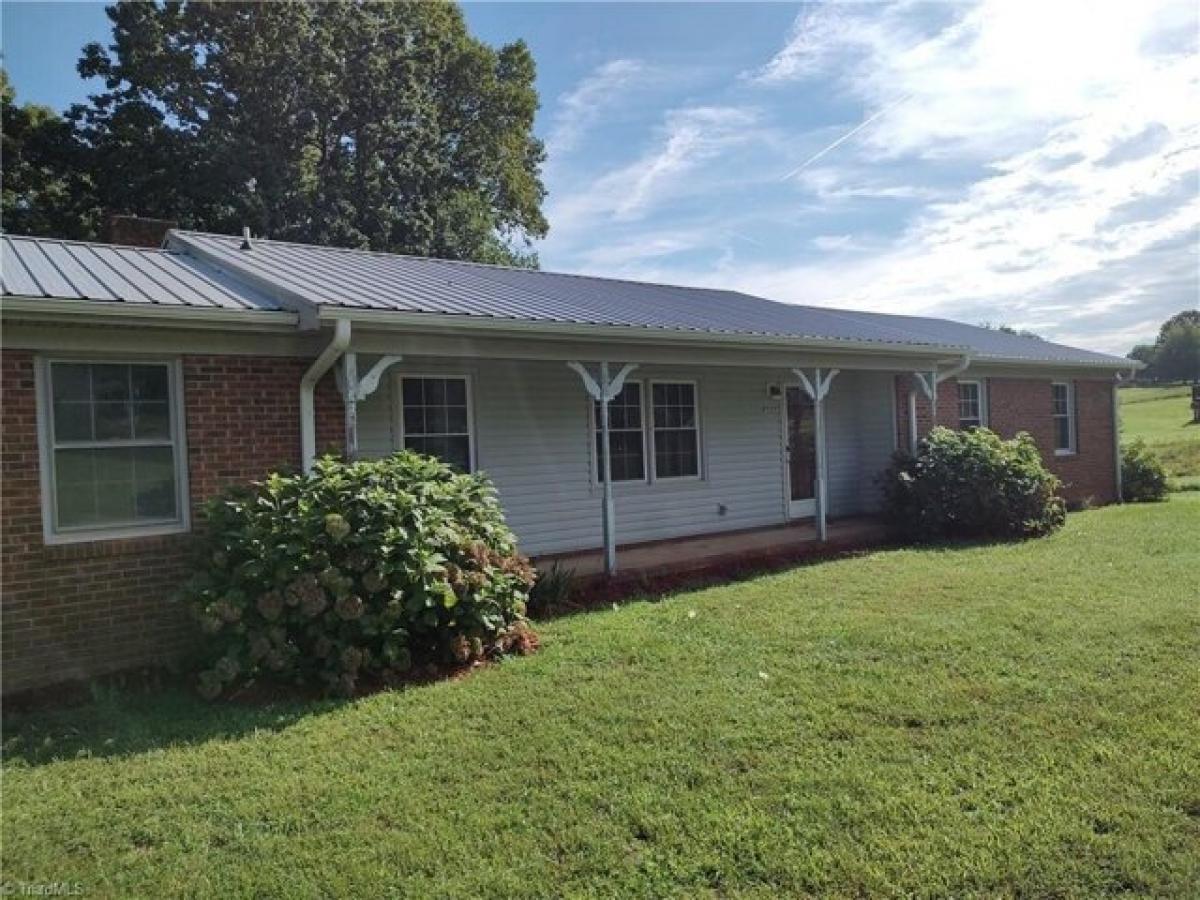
(801,430)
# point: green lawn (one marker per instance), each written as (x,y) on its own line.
(1013,720)
(1162,417)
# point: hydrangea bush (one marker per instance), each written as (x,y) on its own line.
(356,573)
(972,484)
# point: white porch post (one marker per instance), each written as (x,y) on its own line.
(928,382)
(912,420)
(609,514)
(817,389)
(603,393)
(355,389)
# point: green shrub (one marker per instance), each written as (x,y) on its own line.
(1142,475)
(973,484)
(357,572)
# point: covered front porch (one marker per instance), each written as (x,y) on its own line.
(642,459)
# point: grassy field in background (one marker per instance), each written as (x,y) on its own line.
(992,721)
(1162,417)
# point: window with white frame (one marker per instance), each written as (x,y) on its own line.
(112,448)
(1063,400)
(626,439)
(971,405)
(676,431)
(435,418)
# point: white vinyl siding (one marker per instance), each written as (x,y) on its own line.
(113,461)
(533,436)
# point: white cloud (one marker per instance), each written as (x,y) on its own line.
(1086,222)
(580,109)
(997,74)
(820,39)
(1041,173)
(687,139)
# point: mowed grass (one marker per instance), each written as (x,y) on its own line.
(1162,417)
(1006,720)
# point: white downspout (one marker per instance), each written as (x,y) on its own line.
(1116,427)
(321,365)
(912,420)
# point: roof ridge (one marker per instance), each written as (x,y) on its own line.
(74,242)
(481,265)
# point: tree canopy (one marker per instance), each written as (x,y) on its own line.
(1175,355)
(377,125)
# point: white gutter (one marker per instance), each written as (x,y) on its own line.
(384,318)
(51,309)
(321,365)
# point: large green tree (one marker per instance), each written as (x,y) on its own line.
(376,125)
(1175,355)
(46,187)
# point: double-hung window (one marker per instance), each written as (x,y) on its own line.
(113,456)
(435,418)
(1063,412)
(626,437)
(971,405)
(671,424)
(676,430)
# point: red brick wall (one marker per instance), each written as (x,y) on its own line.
(76,610)
(1089,476)
(1024,404)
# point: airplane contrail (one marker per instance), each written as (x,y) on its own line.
(845,137)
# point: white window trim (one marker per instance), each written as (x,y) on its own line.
(594,433)
(398,407)
(648,423)
(1073,441)
(982,393)
(51,534)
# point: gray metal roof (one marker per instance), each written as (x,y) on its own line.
(356,279)
(73,270)
(209,269)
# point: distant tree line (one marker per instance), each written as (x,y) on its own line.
(377,125)
(1175,354)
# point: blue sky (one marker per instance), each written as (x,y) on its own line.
(1028,163)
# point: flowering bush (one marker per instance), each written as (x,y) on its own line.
(1142,475)
(972,484)
(357,572)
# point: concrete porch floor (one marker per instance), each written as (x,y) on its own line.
(774,544)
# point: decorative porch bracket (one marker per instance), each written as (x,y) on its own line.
(354,390)
(929,382)
(817,389)
(603,392)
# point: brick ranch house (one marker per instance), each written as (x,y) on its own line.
(139,382)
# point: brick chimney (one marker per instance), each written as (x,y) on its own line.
(134,231)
